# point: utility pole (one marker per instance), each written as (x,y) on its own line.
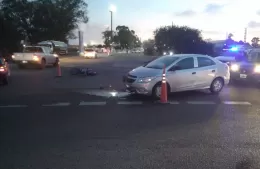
(245,35)
(111,27)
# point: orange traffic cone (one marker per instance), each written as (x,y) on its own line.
(58,70)
(164,98)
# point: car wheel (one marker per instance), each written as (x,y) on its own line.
(5,80)
(56,62)
(43,64)
(216,86)
(156,92)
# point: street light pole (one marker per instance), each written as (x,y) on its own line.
(111,27)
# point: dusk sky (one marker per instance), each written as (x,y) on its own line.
(214,17)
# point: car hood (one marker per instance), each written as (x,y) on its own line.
(225,58)
(145,72)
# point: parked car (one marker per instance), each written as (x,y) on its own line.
(183,72)
(90,53)
(36,55)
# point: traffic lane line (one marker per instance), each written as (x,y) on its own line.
(92,103)
(13,106)
(201,102)
(103,103)
(236,103)
(61,104)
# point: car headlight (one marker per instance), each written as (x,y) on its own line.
(257,69)
(171,53)
(164,53)
(145,79)
(234,67)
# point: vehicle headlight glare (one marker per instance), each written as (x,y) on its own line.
(145,79)
(257,69)
(234,67)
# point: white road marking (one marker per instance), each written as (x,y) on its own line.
(129,103)
(174,102)
(201,102)
(13,106)
(92,103)
(56,104)
(236,103)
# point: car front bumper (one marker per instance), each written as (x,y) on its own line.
(27,62)
(249,77)
(138,88)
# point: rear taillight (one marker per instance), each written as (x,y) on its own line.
(2,69)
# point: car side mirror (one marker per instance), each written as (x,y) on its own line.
(174,68)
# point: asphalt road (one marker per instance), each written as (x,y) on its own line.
(61,123)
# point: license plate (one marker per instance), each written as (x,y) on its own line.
(243,76)
(24,61)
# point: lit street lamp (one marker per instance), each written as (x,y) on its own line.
(112,9)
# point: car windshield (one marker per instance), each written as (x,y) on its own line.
(32,50)
(254,59)
(89,50)
(161,62)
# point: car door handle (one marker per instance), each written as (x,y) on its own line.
(213,71)
(193,73)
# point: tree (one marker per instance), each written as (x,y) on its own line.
(181,39)
(255,41)
(10,36)
(107,37)
(125,37)
(45,19)
(122,37)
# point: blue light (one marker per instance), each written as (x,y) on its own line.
(234,49)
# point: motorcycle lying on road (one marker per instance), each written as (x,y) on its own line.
(82,71)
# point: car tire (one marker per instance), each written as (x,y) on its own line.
(5,80)
(56,62)
(43,64)
(156,89)
(216,85)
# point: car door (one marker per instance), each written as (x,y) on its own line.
(206,70)
(48,55)
(183,78)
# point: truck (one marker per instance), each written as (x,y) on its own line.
(36,55)
(58,47)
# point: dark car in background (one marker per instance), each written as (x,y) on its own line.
(246,68)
